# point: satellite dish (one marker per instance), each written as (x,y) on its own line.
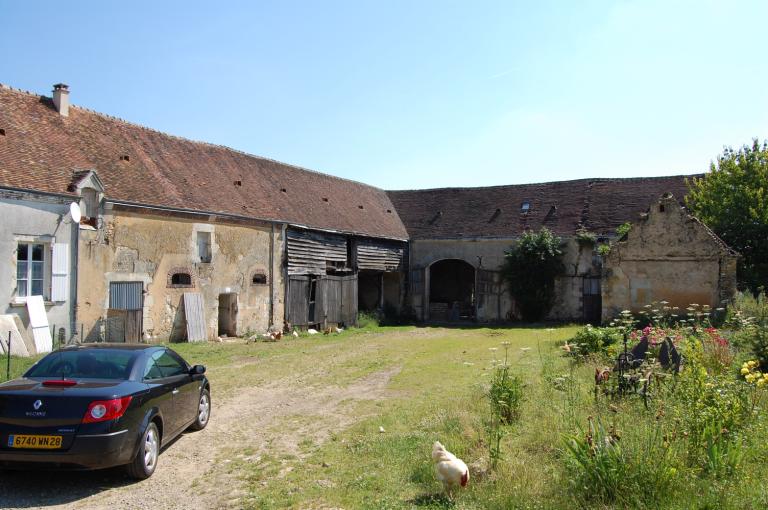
(74,211)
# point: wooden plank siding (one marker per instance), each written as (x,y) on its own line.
(334,300)
(310,252)
(379,255)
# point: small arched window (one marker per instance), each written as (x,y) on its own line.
(259,278)
(180,278)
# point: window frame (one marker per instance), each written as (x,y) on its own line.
(204,246)
(45,280)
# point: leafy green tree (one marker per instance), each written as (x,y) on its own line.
(732,200)
(530,268)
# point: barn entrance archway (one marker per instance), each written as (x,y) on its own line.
(451,291)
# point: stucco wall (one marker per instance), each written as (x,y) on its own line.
(34,218)
(667,256)
(137,246)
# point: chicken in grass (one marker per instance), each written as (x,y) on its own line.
(451,471)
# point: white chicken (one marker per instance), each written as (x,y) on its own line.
(451,471)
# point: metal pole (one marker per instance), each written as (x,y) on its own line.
(8,365)
(81,333)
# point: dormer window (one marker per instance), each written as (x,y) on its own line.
(90,202)
(525,207)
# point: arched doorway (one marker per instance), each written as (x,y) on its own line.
(451,291)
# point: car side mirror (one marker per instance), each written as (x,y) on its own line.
(197,370)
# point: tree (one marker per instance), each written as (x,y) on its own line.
(732,200)
(530,268)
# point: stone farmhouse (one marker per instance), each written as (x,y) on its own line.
(173,228)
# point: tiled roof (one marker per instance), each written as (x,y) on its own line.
(600,205)
(43,151)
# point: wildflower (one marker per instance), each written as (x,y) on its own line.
(752,364)
(744,371)
(492,349)
(505,344)
(760,382)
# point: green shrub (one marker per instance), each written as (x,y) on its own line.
(598,462)
(366,320)
(592,340)
(585,238)
(623,229)
(505,394)
(633,470)
(530,268)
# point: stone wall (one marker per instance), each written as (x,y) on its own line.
(487,255)
(668,255)
(133,245)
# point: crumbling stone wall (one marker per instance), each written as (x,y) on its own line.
(671,256)
(137,246)
(494,302)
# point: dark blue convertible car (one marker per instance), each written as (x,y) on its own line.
(94,406)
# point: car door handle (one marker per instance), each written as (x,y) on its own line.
(175,391)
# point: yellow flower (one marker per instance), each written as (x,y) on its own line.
(750,378)
(752,364)
(744,371)
(760,382)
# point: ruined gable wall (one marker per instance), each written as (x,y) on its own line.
(669,256)
(134,246)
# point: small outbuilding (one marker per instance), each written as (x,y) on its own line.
(668,255)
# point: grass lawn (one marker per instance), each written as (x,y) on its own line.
(436,392)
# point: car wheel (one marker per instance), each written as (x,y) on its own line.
(203,410)
(145,462)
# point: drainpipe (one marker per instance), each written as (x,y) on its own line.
(272,275)
(284,263)
(75,264)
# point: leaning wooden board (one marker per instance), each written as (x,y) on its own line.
(38,321)
(195,315)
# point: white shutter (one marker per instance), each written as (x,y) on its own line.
(60,272)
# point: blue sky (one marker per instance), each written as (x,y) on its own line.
(413,94)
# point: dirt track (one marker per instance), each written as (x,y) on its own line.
(193,471)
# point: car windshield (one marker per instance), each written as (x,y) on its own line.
(85,364)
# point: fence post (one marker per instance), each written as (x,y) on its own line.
(8,365)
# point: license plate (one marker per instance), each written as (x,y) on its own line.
(34,441)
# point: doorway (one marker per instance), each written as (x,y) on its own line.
(228,314)
(592,300)
(125,314)
(451,291)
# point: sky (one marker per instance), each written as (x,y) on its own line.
(415,94)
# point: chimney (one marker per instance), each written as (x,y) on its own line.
(61,99)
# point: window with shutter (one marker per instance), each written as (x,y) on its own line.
(30,270)
(60,272)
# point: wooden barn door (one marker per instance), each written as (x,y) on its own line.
(125,313)
(297,309)
(349,300)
